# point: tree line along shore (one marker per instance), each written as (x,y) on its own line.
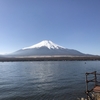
(50,59)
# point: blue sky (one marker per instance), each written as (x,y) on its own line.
(74,24)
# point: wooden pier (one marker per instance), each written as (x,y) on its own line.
(92,86)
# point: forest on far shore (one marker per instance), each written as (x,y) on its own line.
(91,58)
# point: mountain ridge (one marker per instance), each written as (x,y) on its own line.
(45,48)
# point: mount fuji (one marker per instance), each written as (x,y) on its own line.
(47,48)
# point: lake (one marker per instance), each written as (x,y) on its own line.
(44,80)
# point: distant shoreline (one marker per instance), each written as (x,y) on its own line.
(11,59)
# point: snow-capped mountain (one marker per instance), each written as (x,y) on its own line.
(45,48)
(45,43)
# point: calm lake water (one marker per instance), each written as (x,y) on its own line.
(44,80)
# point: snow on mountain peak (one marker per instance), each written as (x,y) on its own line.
(45,43)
